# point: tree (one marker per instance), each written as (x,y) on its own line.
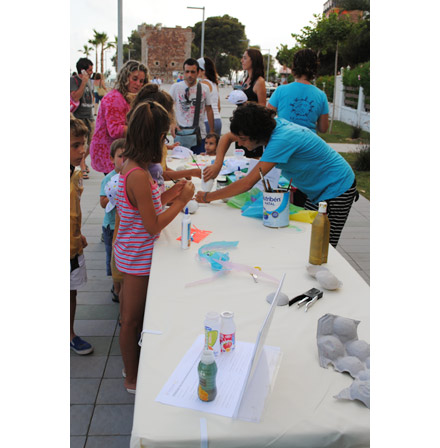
(285,55)
(95,43)
(101,39)
(224,36)
(86,50)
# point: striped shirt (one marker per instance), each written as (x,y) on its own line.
(134,245)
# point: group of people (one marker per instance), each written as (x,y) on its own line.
(129,146)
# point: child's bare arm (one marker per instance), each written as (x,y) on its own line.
(103,200)
(139,194)
(174,175)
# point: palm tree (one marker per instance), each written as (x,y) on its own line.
(95,42)
(86,50)
(100,39)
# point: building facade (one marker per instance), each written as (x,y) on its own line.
(164,50)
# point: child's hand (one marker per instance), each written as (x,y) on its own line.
(210,172)
(173,145)
(84,241)
(187,192)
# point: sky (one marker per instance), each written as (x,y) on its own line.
(265,25)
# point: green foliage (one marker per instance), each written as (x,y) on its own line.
(224,36)
(342,133)
(362,160)
(358,76)
(326,83)
(321,35)
(285,55)
(351,5)
(325,33)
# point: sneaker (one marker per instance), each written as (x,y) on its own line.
(80,347)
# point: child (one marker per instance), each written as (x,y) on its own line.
(78,273)
(140,221)
(108,225)
(211,142)
(161,172)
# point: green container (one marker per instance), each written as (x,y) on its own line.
(207,369)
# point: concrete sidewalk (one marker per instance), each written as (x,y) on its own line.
(101,411)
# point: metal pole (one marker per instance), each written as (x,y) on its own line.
(203,33)
(268,63)
(120,38)
(203,28)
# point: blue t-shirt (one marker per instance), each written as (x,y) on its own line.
(110,217)
(314,167)
(300,103)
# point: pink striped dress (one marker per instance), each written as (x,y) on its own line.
(134,245)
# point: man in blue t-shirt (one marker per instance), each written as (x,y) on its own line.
(314,167)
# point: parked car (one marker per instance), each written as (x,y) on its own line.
(270,88)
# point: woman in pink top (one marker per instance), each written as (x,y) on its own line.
(111,120)
(139,207)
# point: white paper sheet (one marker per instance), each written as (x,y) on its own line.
(181,388)
(273,176)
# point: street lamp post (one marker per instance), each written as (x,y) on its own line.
(120,38)
(203,27)
(268,63)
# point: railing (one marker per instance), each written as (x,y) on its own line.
(351,106)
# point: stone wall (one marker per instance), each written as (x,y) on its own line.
(164,50)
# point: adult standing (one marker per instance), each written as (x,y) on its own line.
(254,86)
(111,120)
(81,90)
(301,102)
(319,171)
(185,98)
(208,75)
(99,89)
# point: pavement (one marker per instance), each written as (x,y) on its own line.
(101,411)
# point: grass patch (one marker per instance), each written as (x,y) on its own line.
(362,177)
(342,133)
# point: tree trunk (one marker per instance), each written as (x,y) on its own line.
(334,88)
(102,59)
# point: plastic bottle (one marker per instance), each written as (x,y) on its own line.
(212,332)
(239,174)
(227,332)
(319,240)
(186,230)
(207,370)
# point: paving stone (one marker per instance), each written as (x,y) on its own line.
(80,417)
(98,312)
(112,391)
(87,366)
(114,367)
(112,419)
(108,442)
(95,327)
(84,390)
(92,285)
(77,441)
(94,298)
(115,349)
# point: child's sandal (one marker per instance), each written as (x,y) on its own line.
(85,175)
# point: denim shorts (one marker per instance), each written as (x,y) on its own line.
(108,238)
